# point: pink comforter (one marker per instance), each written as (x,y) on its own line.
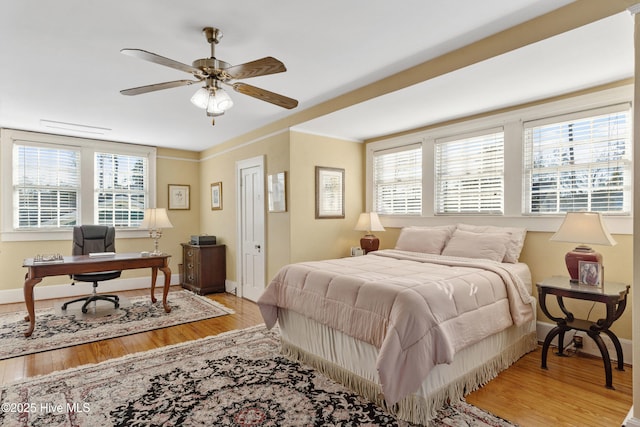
(418,309)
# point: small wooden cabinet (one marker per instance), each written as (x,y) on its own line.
(204,268)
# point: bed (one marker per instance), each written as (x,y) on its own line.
(414,327)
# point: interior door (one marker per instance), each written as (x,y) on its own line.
(252,228)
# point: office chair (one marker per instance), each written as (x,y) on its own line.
(91,239)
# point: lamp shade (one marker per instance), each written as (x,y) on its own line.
(155,219)
(369,221)
(584,227)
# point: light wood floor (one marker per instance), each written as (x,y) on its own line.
(570,393)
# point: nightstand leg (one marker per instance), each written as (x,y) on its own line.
(618,347)
(605,358)
(547,342)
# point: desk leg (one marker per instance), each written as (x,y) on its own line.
(154,276)
(28,299)
(167,283)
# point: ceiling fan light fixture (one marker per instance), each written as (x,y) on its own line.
(223,100)
(201,98)
(213,109)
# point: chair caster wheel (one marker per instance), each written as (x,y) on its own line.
(84,310)
(117,305)
(64,306)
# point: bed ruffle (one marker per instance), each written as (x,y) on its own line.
(413,408)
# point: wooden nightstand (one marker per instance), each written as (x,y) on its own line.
(612,294)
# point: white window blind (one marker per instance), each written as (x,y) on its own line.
(469,174)
(397,176)
(120,188)
(46,186)
(579,163)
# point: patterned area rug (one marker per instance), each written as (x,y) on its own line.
(55,330)
(234,379)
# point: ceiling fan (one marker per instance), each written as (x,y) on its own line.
(214,72)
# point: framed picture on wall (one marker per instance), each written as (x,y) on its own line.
(329,192)
(277,189)
(179,196)
(590,273)
(216,196)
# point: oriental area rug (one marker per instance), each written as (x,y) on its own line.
(237,378)
(57,330)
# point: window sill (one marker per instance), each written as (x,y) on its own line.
(33,236)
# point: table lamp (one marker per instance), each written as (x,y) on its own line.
(369,222)
(585,228)
(155,219)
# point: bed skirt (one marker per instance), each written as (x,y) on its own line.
(353,364)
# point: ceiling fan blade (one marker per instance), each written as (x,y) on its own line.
(265,95)
(157,86)
(259,67)
(152,57)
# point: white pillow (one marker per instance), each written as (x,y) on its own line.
(428,240)
(492,246)
(516,241)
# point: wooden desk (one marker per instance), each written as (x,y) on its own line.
(87,264)
(612,294)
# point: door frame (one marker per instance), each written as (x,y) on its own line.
(257,161)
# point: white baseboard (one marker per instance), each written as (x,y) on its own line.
(630,421)
(83,288)
(589,346)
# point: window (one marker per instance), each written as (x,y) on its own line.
(579,163)
(469,174)
(46,187)
(58,182)
(121,189)
(397,176)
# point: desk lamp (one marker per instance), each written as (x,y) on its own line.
(369,222)
(155,219)
(585,228)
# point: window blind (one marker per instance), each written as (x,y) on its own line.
(469,174)
(579,163)
(46,185)
(120,188)
(397,180)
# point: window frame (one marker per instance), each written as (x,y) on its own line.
(511,120)
(87,148)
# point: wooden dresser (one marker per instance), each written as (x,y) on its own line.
(204,268)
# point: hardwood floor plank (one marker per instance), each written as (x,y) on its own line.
(570,393)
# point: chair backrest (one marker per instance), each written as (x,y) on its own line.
(93,238)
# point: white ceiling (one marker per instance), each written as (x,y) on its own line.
(60,61)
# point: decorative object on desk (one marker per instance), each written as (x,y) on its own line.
(216,196)
(179,196)
(228,378)
(590,273)
(58,329)
(277,190)
(369,222)
(585,228)
(155,219)
(45,258)
(329,192)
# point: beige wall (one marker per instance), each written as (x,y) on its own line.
(287,233)
(311,238)
(173,167)
(221,167)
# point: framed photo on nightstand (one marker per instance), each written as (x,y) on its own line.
(590,273)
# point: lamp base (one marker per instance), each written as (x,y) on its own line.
(369,243)
(581,253)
